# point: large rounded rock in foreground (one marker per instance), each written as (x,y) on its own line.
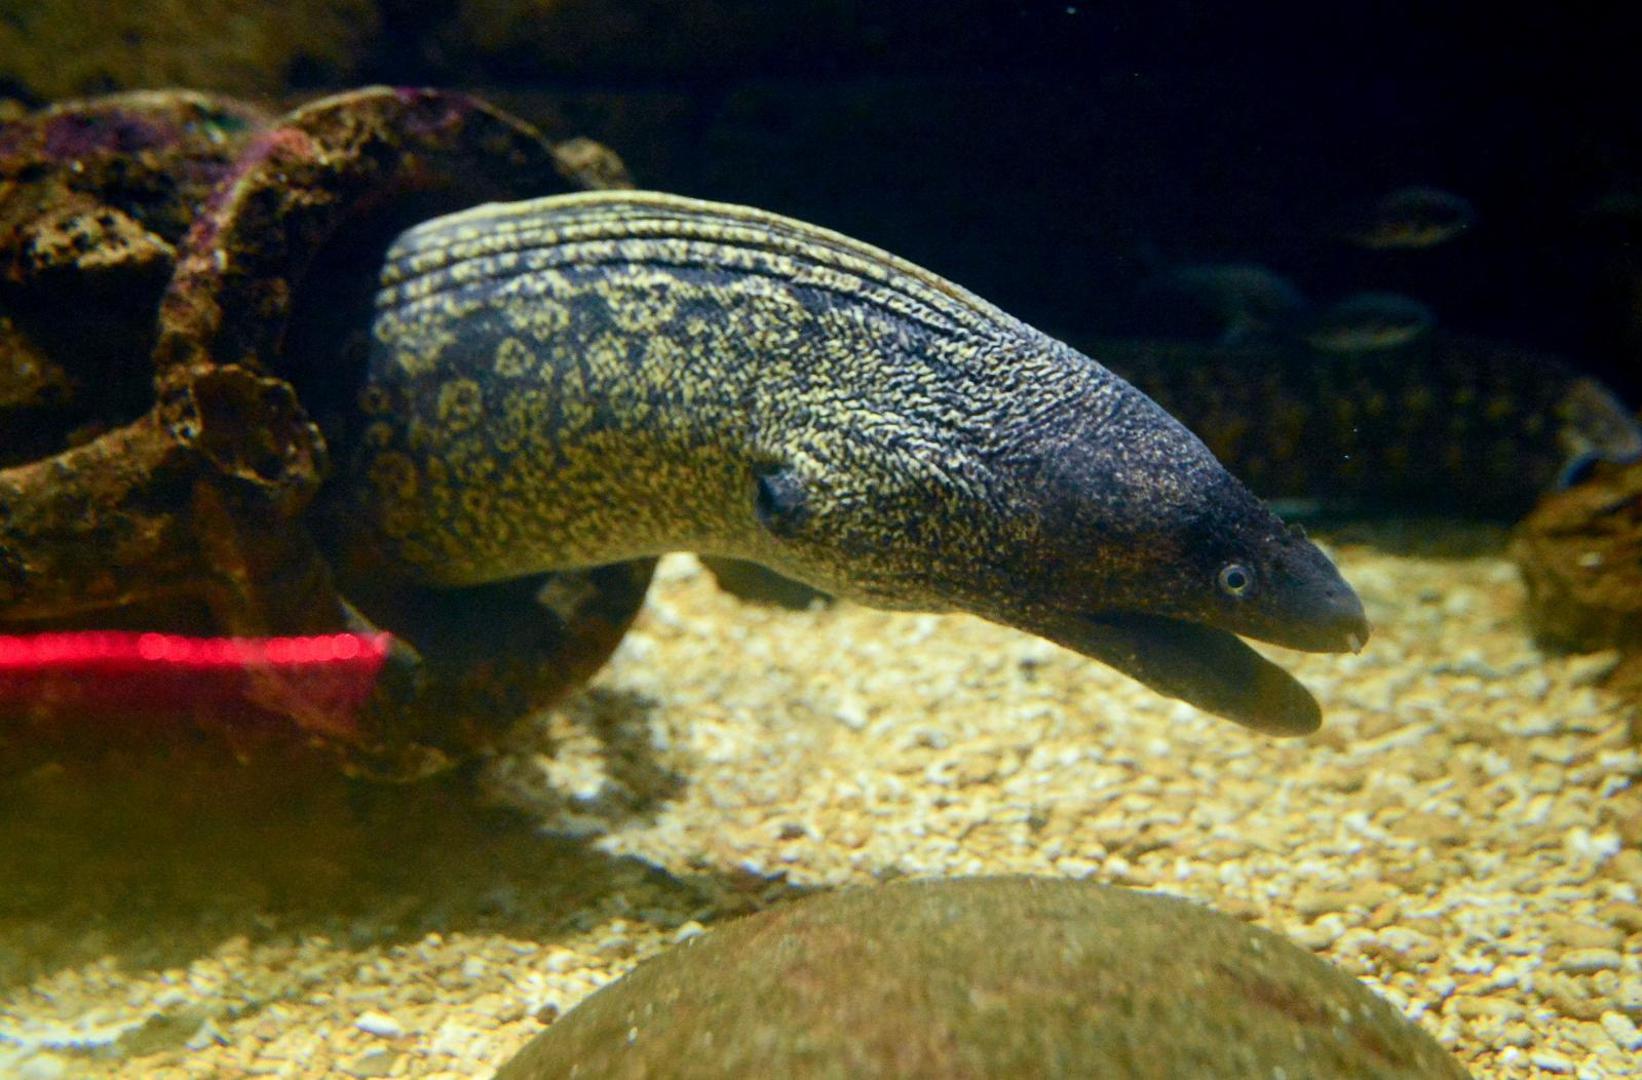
(985,977)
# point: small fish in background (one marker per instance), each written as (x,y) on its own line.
(1229,303)
(1368,322)
(1413,218)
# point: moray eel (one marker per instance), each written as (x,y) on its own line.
(590,378)
(1450,424)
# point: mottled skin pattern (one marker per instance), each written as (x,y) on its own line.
(591,378)
(1453,424)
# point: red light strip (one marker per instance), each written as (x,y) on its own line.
(103,650)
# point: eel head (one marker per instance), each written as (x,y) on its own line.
(1084,513)
(1149,556)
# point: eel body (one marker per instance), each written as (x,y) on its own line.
(1452,424)
(584,379)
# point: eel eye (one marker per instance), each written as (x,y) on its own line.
(1235,579)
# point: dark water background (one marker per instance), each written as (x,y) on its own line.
(1028,149)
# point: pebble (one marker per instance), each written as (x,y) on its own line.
(1590,668)
(1570,1002)
(1552,1063)
(1437,829)
(379,1024)
(1627,865)
(1585,961)
(372,1063)
(1499,1008)
(1314,902)
(1582,935)
(1622,1030)
(1626,916)
(43,1067)
(207,1035)
(1316,936)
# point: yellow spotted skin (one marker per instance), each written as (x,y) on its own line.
(584,379)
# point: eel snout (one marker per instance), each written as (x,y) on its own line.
(1327,616)
(1342,632)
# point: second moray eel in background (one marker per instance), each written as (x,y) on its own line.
(584,379)
(1452,425)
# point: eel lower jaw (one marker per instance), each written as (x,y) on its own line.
(1200,665)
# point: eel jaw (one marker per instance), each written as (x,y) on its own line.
(1211,669)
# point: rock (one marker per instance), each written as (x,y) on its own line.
(379,1024)
(94,196)
(372,1063)
(216,246)
(43,1067)
(1626,681)
(985,977)
(1580,554)
(59,50)
(1574,934)
(1586,961)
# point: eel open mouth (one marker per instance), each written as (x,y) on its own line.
(1211,669)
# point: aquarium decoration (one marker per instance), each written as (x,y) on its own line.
(189,473)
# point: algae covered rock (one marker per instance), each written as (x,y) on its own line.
(985,977)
